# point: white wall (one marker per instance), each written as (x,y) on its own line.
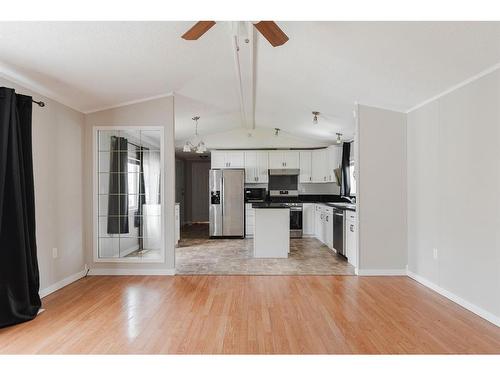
(57,164)
(157,112)
(454,194)
(382,191)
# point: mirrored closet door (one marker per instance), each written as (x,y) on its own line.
(129,204)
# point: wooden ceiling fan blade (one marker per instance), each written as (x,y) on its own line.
(272,33)
(198,30)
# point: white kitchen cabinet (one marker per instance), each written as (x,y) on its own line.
(319,166)
(323,224)
(228,159)
(328,227)
(334,160)
(250,166)
(283,159)
(351,238)
(291,159)
(318,222)
(305,164)
(308,219)
(218,159)
(235,159)
(249,220)
(256,166)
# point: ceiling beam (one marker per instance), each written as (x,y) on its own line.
(244,52)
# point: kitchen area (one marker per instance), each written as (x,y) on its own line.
(277,211)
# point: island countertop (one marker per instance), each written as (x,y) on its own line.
(270,205)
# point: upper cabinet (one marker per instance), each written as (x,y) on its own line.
(316,166)
(320,165)
(228,159)
(283,159)
(305,166)
(334,161)
(256,166)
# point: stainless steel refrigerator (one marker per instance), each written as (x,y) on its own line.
(227,202)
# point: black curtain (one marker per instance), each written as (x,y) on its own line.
(346,177)
(118,186)
(19,278)
(142,190)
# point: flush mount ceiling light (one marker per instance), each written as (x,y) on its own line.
(315,117)
(339,138)
(197,145)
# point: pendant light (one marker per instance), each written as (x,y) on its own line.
(200,146)
(315,117)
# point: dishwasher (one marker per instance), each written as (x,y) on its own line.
(338,231)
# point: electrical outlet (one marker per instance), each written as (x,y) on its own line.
(55,253)
(435,253)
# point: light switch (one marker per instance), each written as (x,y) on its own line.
(55,253)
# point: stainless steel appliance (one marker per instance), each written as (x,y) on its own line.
(227,202)
(338,231)
(255,194)
(283,182)
(295,220)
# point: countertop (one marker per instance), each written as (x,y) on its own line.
(269,205)
(339,205)
(342,206)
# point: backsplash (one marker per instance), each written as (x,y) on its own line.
(309,189)
(328,188)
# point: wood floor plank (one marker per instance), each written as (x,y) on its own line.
(250,314)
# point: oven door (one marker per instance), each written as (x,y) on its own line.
(296,222)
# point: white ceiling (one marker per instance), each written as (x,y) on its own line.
(325,66)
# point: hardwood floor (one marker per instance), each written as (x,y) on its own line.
(250,314)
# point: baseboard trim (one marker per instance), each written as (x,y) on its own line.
(381,272)
(131,271)
(62,283)
(458,300)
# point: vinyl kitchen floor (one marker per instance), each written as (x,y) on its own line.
(199,255)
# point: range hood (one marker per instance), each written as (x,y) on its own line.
(284,172)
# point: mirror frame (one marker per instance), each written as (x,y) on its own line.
(95,197)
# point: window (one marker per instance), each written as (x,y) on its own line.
(133,183)
(352,178)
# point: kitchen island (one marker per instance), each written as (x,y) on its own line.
(271,231)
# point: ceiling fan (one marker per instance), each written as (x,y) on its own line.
(268,29)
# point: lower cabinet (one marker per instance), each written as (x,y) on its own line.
(328,225)
(249,220)
(308,219)
(318,225)
(351,238)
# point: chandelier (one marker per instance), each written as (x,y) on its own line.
(197,145)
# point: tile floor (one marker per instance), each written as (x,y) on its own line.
(197,254)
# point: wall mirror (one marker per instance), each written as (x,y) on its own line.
(128,206)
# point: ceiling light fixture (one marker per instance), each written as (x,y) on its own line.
(339,138)
(315,117)
(200,146)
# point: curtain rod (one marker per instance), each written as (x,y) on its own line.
(40,103)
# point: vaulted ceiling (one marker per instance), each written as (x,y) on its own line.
(325,66)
